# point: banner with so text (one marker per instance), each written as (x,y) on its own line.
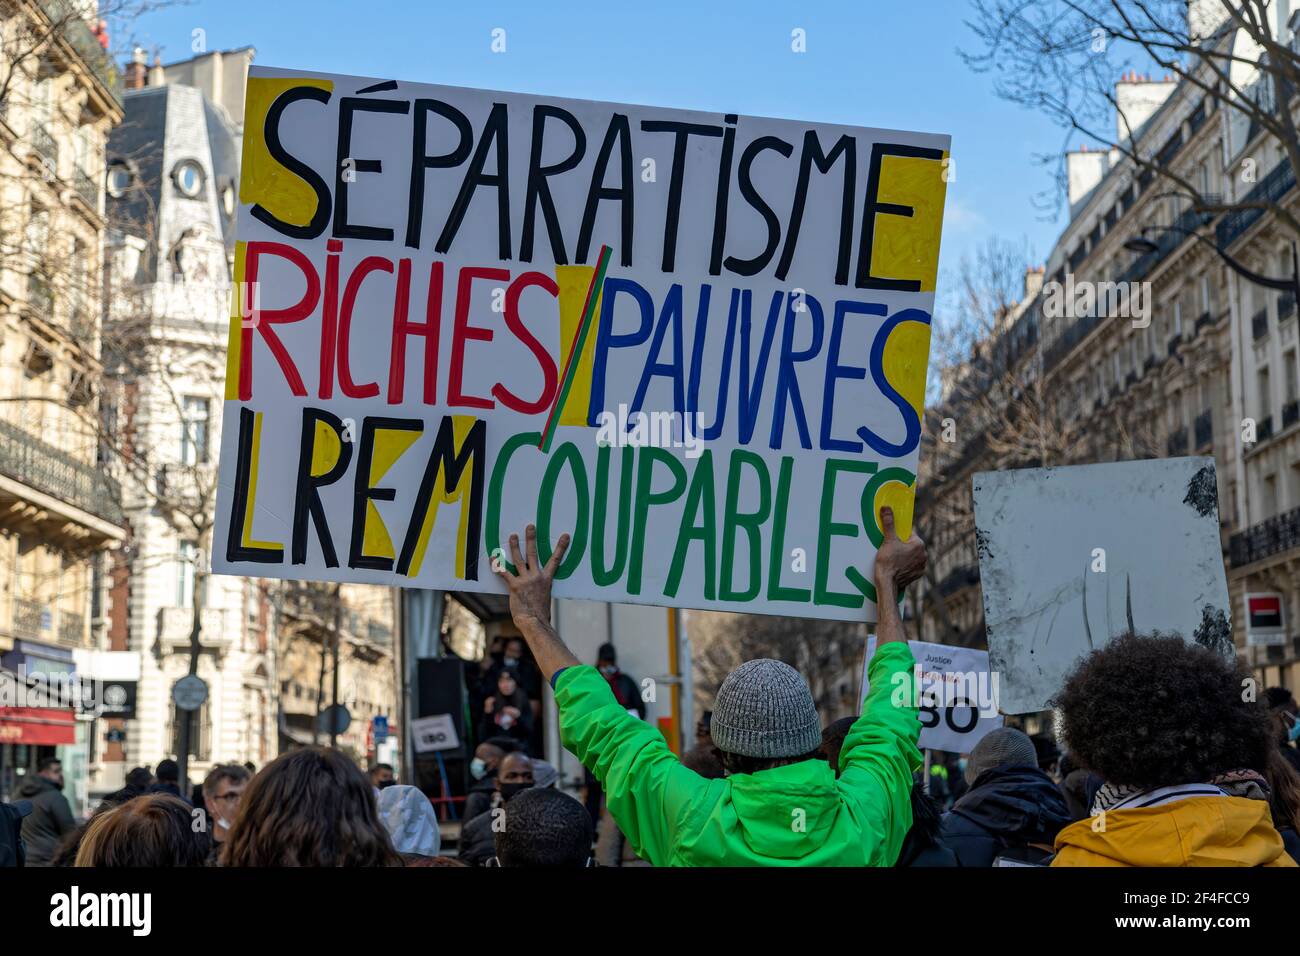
(695,341)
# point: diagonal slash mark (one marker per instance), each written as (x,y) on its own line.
(579,343)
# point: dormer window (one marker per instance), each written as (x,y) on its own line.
(188,176)
(119,179)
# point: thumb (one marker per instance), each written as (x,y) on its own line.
(887,522)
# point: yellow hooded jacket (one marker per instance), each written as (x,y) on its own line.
(1197,831)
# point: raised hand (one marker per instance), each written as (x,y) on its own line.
(530,585)
(898,562)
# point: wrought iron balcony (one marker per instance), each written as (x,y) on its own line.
(1264,430)
(38,464)
(40,295)
(1270,190)
(1166,242)
(30,618)
(45,146)
(1290,413)
(1273,536)
(1178,442)
(69,18)
(87,188)
(1204,429)
(1259,324)
(72,629)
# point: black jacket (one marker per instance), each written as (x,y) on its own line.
(169,788)
(1006,809)
(12,851)
(477,842)
(50,820)
(923,846)
(479,798)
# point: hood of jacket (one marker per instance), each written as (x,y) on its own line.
(408,816)
(1015,801)
(1198,831)
(787,812)
(34,786)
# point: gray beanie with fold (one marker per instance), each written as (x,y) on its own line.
(1005,746)
(765,709)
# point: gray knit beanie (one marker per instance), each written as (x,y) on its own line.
(765,709)
(1005,746)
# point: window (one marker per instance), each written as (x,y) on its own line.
(37,238)
(1291,389)
(200,730)
(84,146)
(119,179)
(43,100)
(1265,393)
(194,430)
(187,557)
(188,176)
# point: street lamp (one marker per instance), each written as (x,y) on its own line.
(1144,246)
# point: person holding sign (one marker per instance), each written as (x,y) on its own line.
(779,805)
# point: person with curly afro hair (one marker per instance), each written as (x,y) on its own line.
(1175,733)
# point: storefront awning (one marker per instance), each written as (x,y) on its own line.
(37,725)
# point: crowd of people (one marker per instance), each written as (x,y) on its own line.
(1169,759)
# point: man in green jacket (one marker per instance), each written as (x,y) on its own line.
(779,805)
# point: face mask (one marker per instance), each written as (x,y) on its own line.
(962,763)
(609,670)
(508,790)
(478,768)
(511,661)
(385,783)
(1294,732)
(223,824)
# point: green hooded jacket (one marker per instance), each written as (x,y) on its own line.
(796,815)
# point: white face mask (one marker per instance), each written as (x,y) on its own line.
(222,823)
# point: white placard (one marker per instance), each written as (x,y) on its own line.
(434,733)
(1073,557)
(413,373)
(958,694)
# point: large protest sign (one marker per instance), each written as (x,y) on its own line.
(957,694)
(1073,557)
(696,341)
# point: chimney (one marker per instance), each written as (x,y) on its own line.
(156,77)
(1137,97)
(1084,170)
(1033,281)
(136,78)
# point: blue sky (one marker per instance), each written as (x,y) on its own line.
(871,63)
